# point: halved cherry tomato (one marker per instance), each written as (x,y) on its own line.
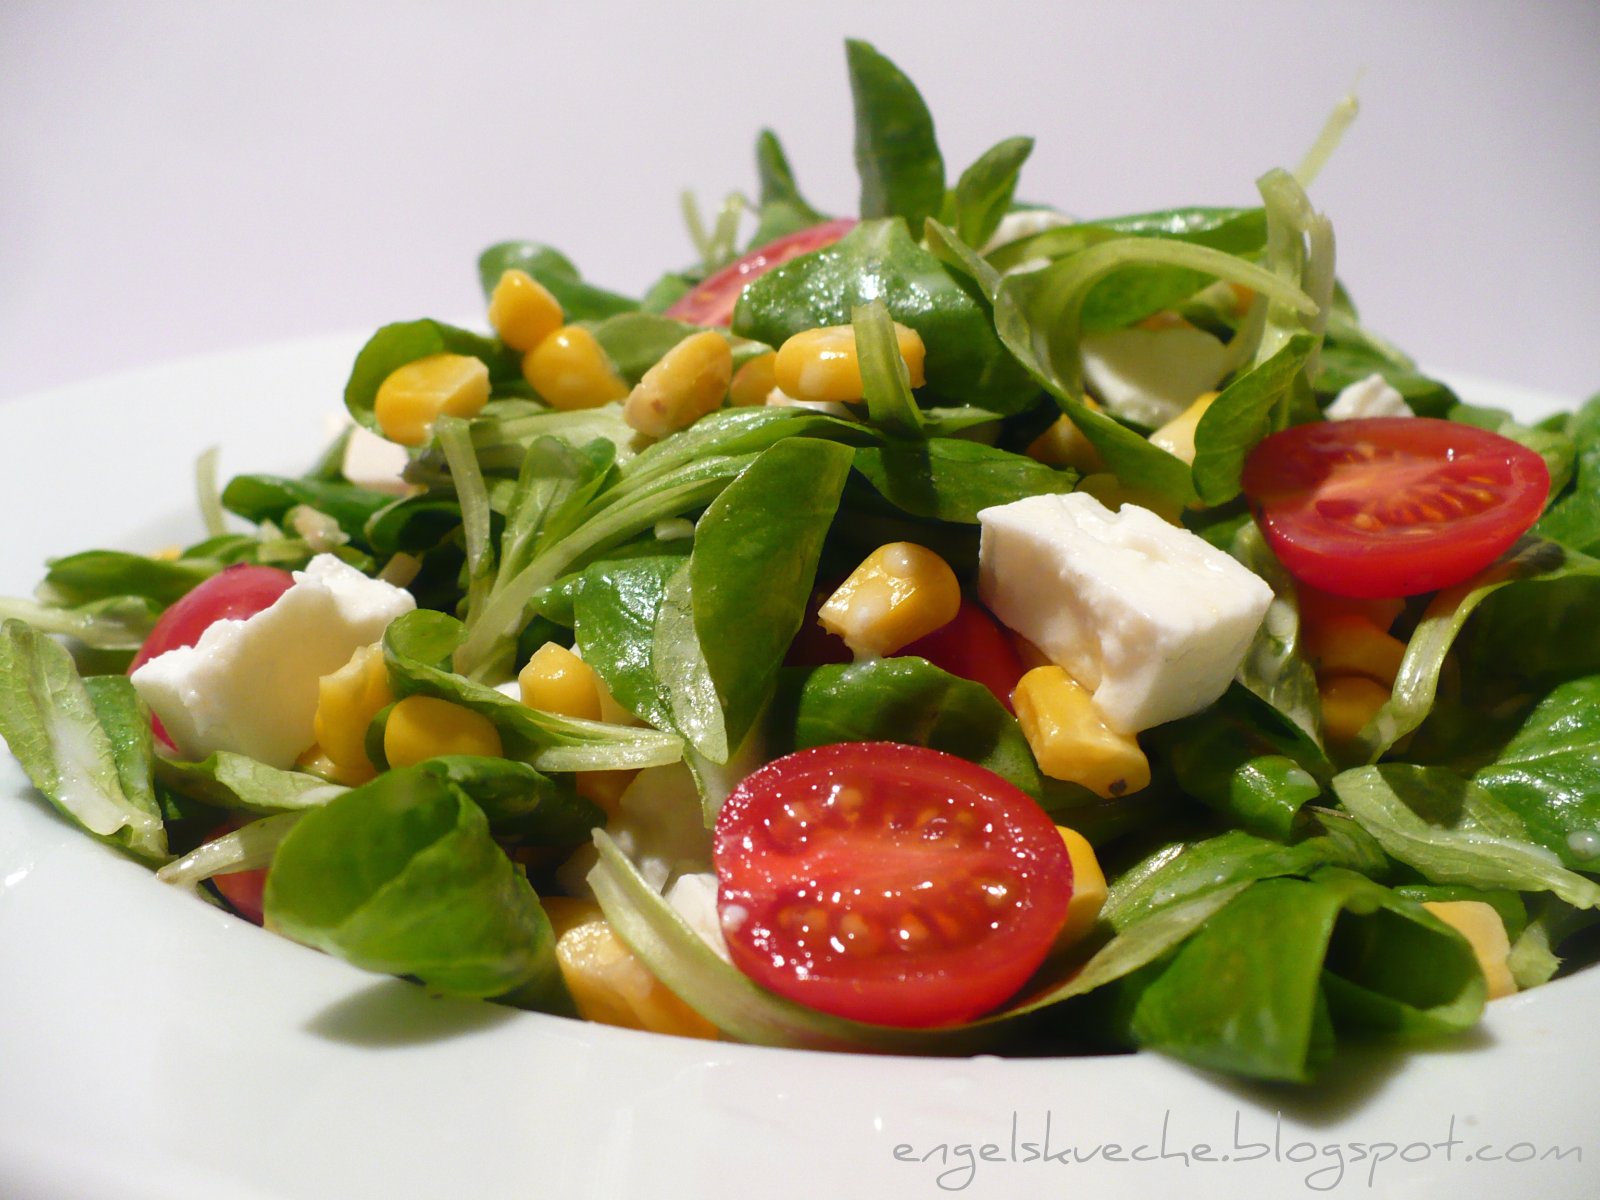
(888,883)
(1392,506)
(235,593)
(973,647)
(712,301)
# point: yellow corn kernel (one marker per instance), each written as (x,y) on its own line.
(899,593)
(569,370)
(416,395)
(1070,738)
(753,382)
(1348,703)
(1317,606)
(1350,644)
(607,983)
(522,310)
(1064,445)
(556,680)
(1176,437)
(424,727)
(1481,925)
(689,381)
(1113,493)
(167,554)
(314,760)
(1088,888)
(347,700)
(821,364)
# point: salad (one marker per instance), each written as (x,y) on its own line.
(957,628)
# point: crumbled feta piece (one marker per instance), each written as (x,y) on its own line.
(251,686)
(1152,375)
(1148,616)
(1369,397)
(658,824)
(374,462)
(694,898)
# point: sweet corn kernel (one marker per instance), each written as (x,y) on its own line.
(821,364)
(1176,437)
(347,700)
(1348,703)
(1481,925)
(607,983)
(556,680)
(424,727)
(1064,445)
(416,395)
(901,592)
(1088,888)
(570,370)
(1351,644)
(1113,493)
(522,310)
(604,788)
(1070,738)
(689,381)
(753,382)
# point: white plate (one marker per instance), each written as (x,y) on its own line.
(152,1046)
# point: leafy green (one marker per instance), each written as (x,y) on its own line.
(236,781)
(783,210)
(1259,989)
(402,876)
(261,498)
(752,570)
(983,194)
(85,750)
(95,575)
(952,479)
(1454,831)
(1549,773)
(1275,669)
(897,155)
(112,623)
(1253,405)
(1574,519)
(885,379)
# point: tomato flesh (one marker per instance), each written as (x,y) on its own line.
(234,593)
(888,883)
(712,301)
(1392,506)
(974,647)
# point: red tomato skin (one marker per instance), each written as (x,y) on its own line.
(234,593)
(974,647)
(1438,500)
(712,301)
(984,894)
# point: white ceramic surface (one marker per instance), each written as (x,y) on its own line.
(154,1048)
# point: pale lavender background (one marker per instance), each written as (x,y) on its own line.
(186,177)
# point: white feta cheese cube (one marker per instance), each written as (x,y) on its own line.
(1149,617)
(1152,375)
(374,462)
(251,686)
(1369,397)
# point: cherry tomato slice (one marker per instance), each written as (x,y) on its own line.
(1392,506)
(712,301)
(235,593)
(973,647)
(888,883)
